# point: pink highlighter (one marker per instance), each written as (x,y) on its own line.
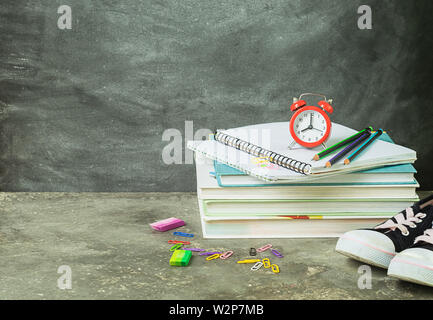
(167,224)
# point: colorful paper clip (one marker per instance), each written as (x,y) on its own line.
(275,252)
(177,241)
(275,268)
(210,253)
(257,266)
(214,256)
(253,252)
(176,247)
(183,234)
(249,261)
(264,248)
(226,255)
(194,249)
(266,263)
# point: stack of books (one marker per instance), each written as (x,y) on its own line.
(241,196)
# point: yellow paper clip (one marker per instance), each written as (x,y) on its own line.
(266,263)
(249,261)
(275,268)
(214,256)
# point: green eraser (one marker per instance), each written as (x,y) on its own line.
(180,258)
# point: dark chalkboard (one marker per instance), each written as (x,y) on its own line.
(85,109)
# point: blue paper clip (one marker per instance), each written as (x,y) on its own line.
(275,252)
(183,234)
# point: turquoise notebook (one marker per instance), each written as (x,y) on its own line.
(222,170)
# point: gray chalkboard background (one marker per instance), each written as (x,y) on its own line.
(85,109)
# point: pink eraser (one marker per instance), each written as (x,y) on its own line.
(167,224)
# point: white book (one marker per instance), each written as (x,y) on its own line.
(274,138)
(304,207)
(260,227)
(208,188)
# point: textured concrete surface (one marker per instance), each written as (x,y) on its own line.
(113,253)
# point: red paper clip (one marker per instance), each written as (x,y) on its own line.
(177,241)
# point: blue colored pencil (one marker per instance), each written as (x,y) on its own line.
(349,148)
(363,147)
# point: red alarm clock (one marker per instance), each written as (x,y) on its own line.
(310,125)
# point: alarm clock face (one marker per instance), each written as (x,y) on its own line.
(310,126)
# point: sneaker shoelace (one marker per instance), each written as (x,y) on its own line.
(402,222)
(426,237)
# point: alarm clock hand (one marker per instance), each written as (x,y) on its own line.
(317,129)
(309,127)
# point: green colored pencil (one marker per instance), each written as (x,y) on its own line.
(340,144)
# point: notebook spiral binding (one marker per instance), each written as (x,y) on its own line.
(278,159)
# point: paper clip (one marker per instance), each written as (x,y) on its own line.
(266,263)
(275,268)
(257,266)
(264,248)
(226,255)
(253,252)
(183,234)
(177,241)
(176,247)
(210,253)
(194,249)
(214,256)
(249,261)
(275,252)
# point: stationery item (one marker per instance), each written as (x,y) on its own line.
(214,256)
(349,148)
(264,248)
(180,258)
(194,249)
(226,255)
(183,234)
(253,252)
(176,247)
(177,241)
(167,224)
(266,262)
(340,144)
(275,268)
(237,147)
(257,266)
(276,253)
(248,261)
(364,146)
(210,253)
(309,207)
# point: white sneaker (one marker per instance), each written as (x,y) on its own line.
(416,263)
(379,245)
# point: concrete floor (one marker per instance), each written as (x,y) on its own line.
(106,240)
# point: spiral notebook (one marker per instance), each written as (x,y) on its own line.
(242,147)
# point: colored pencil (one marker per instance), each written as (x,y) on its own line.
(363,147)
(340,144)
(349,148)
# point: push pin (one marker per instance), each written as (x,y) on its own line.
(253,252)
